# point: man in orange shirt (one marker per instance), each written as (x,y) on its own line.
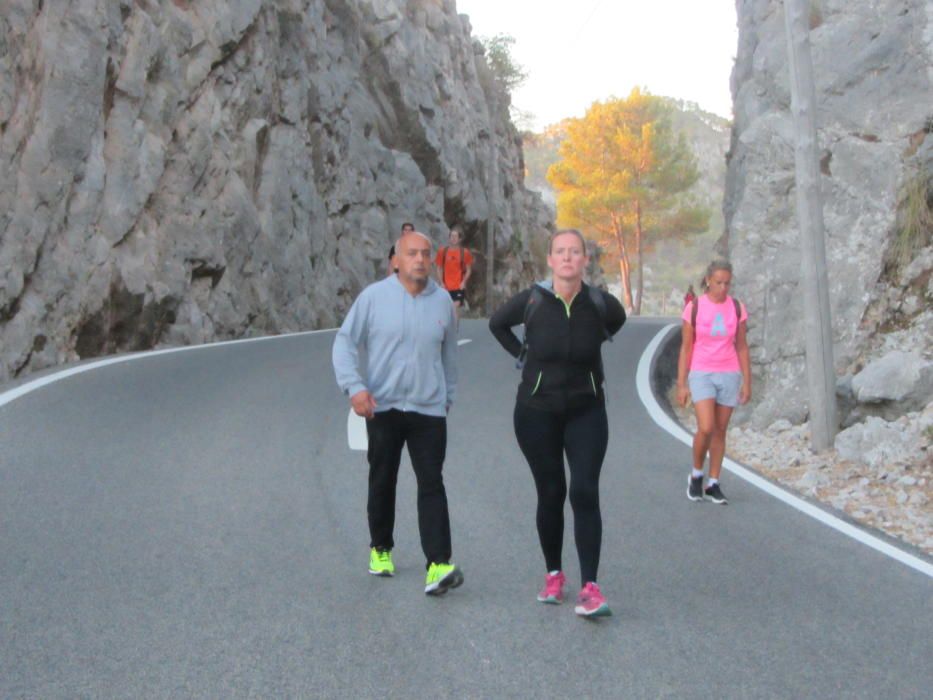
(454,266)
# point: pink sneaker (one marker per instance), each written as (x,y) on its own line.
(591,603)
(553,591)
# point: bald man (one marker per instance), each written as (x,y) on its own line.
(406,323)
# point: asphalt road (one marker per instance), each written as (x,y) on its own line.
(193,525)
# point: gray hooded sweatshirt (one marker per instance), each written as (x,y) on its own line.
(410,345)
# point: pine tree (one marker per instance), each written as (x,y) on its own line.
(623,174)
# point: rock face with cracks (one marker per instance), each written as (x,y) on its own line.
(175,172)
(873,67)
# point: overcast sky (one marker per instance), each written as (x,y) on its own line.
(577,52)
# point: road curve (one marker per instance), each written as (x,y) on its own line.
(192,524)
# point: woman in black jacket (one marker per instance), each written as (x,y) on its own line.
(560,407)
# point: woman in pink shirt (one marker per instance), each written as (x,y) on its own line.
(715,371)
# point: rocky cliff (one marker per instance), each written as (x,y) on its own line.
(873,64)
(175,172)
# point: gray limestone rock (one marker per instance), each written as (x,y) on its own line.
(876,443)
(873,65)
(177,172)
(903,377)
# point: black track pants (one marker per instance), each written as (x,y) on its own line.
(426,437)
(544,438)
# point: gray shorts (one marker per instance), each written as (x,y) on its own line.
(722,386)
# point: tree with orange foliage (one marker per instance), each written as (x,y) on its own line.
(624,174)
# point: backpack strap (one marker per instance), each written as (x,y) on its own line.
(599,301)
(443,253)
(696,302)
(534,301)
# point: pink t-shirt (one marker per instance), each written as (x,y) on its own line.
(714,335)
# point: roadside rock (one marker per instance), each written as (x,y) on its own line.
(175,172)
(895,496)
(873,69)
(897,383)
(877,443)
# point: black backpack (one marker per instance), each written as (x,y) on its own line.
(534,301)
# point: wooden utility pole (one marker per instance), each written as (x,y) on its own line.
(821,376)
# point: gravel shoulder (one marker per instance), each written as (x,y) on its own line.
(896,498)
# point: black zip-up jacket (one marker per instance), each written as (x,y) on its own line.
(563,365)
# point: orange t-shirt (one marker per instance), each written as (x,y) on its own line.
(448,259)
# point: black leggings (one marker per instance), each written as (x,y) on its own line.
(544,437)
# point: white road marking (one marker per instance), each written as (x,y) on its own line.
(356,432)
(464,341)
(665,422)
(29,387)
(357,438)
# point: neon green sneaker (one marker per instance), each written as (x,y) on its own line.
(380,562)
(441,578)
